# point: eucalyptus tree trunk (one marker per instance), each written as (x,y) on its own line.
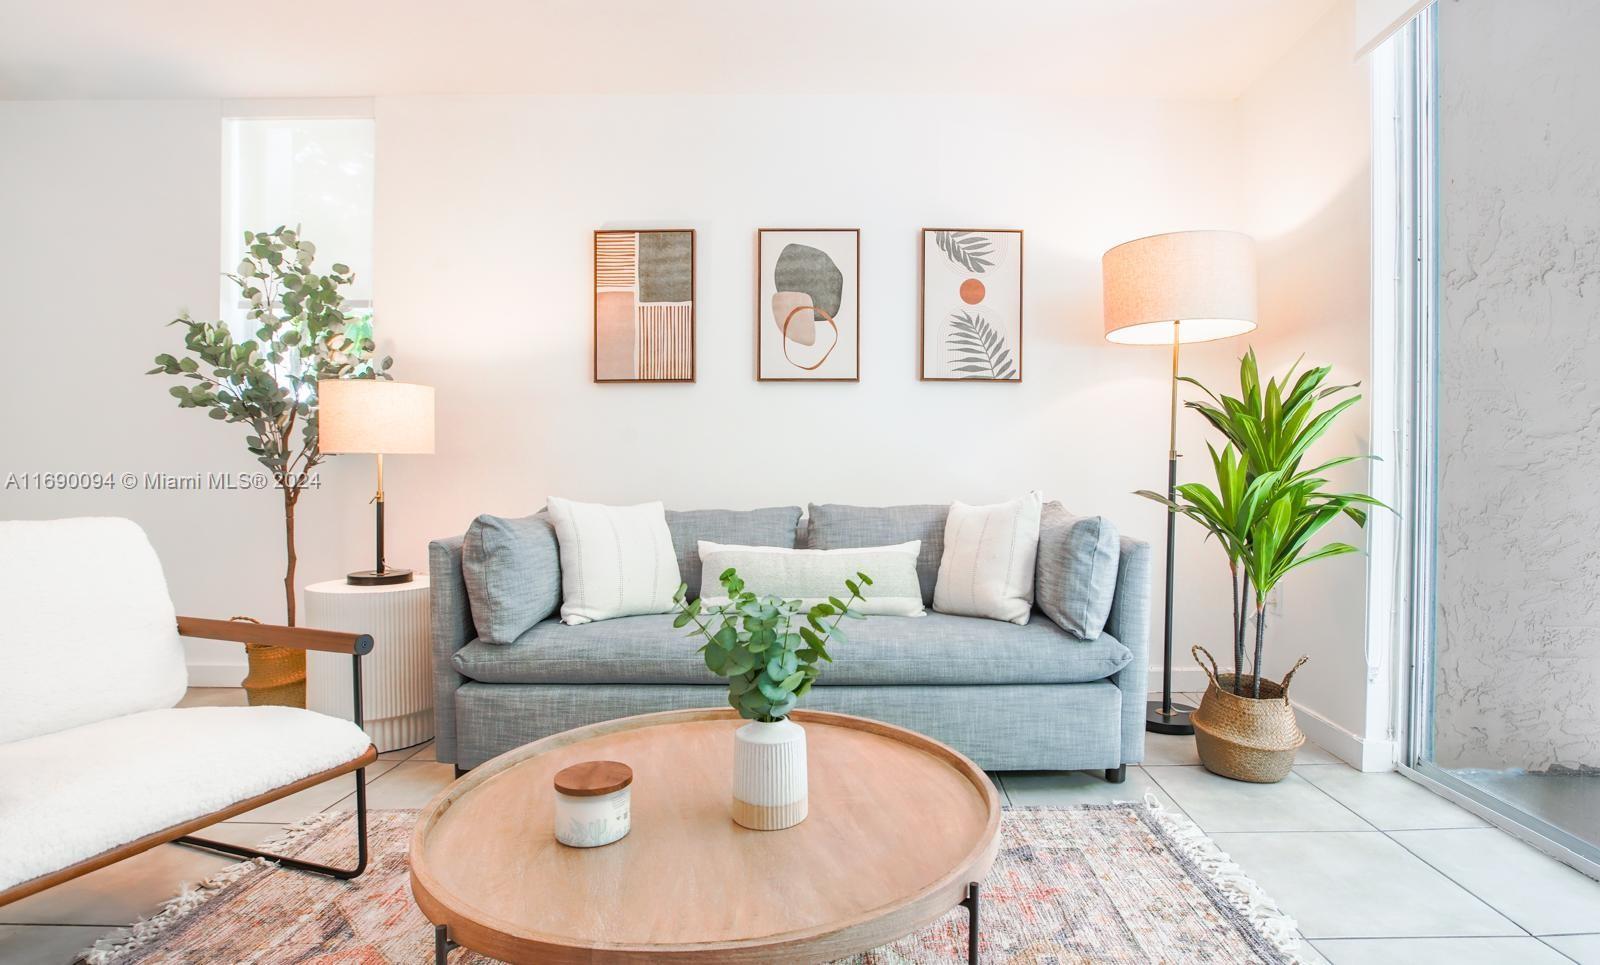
(290,497)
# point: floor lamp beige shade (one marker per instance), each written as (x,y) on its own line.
(1200,283)
(1186,286)
(383,418)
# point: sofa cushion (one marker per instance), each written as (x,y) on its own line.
(512,568)
(1077,570)
(92,788)
(935,649)
(835,527)
(87,629)
(754,527)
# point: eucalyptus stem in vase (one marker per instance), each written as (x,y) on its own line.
(770,650)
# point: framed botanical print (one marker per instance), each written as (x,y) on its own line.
(971,305)
(808,305)
(644,306)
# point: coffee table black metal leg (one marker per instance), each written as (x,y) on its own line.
(971,903)
(441,944)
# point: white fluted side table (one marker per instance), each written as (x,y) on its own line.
(396,679)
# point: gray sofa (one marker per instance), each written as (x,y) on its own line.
(1010,697)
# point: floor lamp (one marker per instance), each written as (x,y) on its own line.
(1187,286)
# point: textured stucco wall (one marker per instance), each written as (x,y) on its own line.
(1519,405)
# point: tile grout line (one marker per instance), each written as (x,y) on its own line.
(1175,802)
(1558,951)
(1412,938)
(1401,844)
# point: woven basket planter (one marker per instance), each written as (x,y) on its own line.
(1244,737)
(277,675)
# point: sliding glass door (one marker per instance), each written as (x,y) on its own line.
(1506,526)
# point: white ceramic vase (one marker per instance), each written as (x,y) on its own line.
(769,775)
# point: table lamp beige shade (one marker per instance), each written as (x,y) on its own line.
(1187,286)
(1203,283)
(374,416)
(379,417)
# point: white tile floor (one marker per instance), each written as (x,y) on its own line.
(1375,869)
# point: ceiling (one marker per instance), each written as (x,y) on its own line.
(216,48)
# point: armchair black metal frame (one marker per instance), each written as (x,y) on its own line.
(359,645)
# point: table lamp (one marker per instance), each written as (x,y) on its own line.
(379,417)
(1187,286)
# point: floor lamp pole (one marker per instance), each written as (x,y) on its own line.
(1163,716)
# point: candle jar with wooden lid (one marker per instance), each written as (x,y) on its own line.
(593,801)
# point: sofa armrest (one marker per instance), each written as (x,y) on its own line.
(1129,622)
(266,634)
(452,629)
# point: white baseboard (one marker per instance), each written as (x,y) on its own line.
(1185,680)
(216,674)
(1363,754)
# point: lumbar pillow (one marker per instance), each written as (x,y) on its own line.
(1077,576)
(512,568)
(988,562)
(811,576)
(616,561)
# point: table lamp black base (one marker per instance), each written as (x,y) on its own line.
(1176,722)
(385,577)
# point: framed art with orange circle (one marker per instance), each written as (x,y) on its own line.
(808,305)
(971,305)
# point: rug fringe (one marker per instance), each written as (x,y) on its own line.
(147,931)
(1238,888)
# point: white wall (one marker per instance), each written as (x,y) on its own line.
(1306,149)
(110,213)
(1519,573)
(484,212)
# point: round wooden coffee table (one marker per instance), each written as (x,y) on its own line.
(901,830)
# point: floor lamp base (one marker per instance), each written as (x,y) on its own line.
(1177,722)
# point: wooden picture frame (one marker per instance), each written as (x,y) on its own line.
(974,289)
(644,305)
(790,320)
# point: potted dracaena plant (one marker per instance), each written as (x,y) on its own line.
(268,384)
(1264,512)
(771,651)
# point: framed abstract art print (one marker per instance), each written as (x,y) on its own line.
(808,305)
(644,306)
(971,305)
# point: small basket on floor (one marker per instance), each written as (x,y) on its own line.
(1245,738)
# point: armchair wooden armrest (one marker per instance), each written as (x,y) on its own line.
(299,638)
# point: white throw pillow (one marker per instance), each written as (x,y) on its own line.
(989,557)
(811,576)
(616,561)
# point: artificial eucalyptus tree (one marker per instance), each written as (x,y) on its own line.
(1265,508)
(268,383)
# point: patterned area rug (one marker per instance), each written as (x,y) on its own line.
(1120,883)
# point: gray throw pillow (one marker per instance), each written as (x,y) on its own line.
(748,527)
(836,527)
(512,568)
(1076,574)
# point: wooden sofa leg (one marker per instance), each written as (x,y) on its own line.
(224,847)
(1116,775)
(460,771)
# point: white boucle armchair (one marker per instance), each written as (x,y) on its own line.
(96,762)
